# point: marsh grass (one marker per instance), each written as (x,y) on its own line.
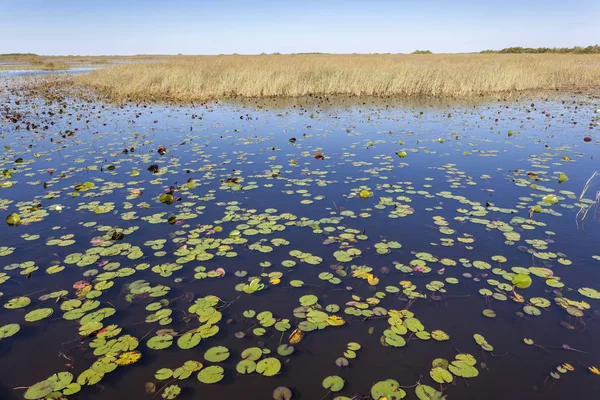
(36,62)
(189,78)
(50,65)
(32,62)
(44,66)
(584,210)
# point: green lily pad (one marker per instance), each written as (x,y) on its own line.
(163,374)
(17,302)
(308,300)
(62,380)
(39,314)
(189,340)
(285,350)
(89,328)
(522,281)
(589,292)
(212,374)
(425,392)
(532,310)
(389,389)
(463,369)
(216,354)
(394,339)
(166,198)
(71,388)
(252,353)
(160,342)
(333,383)
(246,367)
(440,375)
(354,346)
(90,377)
(268,366)
(13,219)
(40,390)
(171,392)
(9,330)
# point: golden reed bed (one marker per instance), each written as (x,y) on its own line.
(189,78)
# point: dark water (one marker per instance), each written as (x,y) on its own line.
(250,145)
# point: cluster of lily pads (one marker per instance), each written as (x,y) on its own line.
(165,227)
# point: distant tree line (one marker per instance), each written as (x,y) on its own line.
(595,49)
(422,52)
(18,55)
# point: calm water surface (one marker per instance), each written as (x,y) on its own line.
(273,217)
(35,72)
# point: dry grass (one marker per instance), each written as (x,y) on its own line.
(584,210)
(32,61)
(188,78)
(50,65)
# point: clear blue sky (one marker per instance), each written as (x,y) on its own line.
(248,27)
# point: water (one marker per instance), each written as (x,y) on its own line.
(35,72)
(446,208)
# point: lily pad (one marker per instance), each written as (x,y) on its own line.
(40,390)
(160,342)
(463,369)
(425,392)
(389,389)
(252,353)
(333,383)
(39,314)
(440,375)
(9,330)
(212,374)
(268,366)
(17,302)
(282,393)
(171,392)
(285,350)
(246,367)
(216,354)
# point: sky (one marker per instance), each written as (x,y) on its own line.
(121,27)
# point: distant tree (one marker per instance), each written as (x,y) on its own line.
(19,55)
(595,49)
(422,52)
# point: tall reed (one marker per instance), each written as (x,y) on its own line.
(189,78)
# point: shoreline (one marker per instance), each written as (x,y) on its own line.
(62,86)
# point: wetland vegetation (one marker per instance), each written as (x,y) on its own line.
(259,227)
(444,76)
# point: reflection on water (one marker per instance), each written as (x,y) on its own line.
(33,72)
(147,210)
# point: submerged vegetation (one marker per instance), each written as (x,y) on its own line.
(197,78)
